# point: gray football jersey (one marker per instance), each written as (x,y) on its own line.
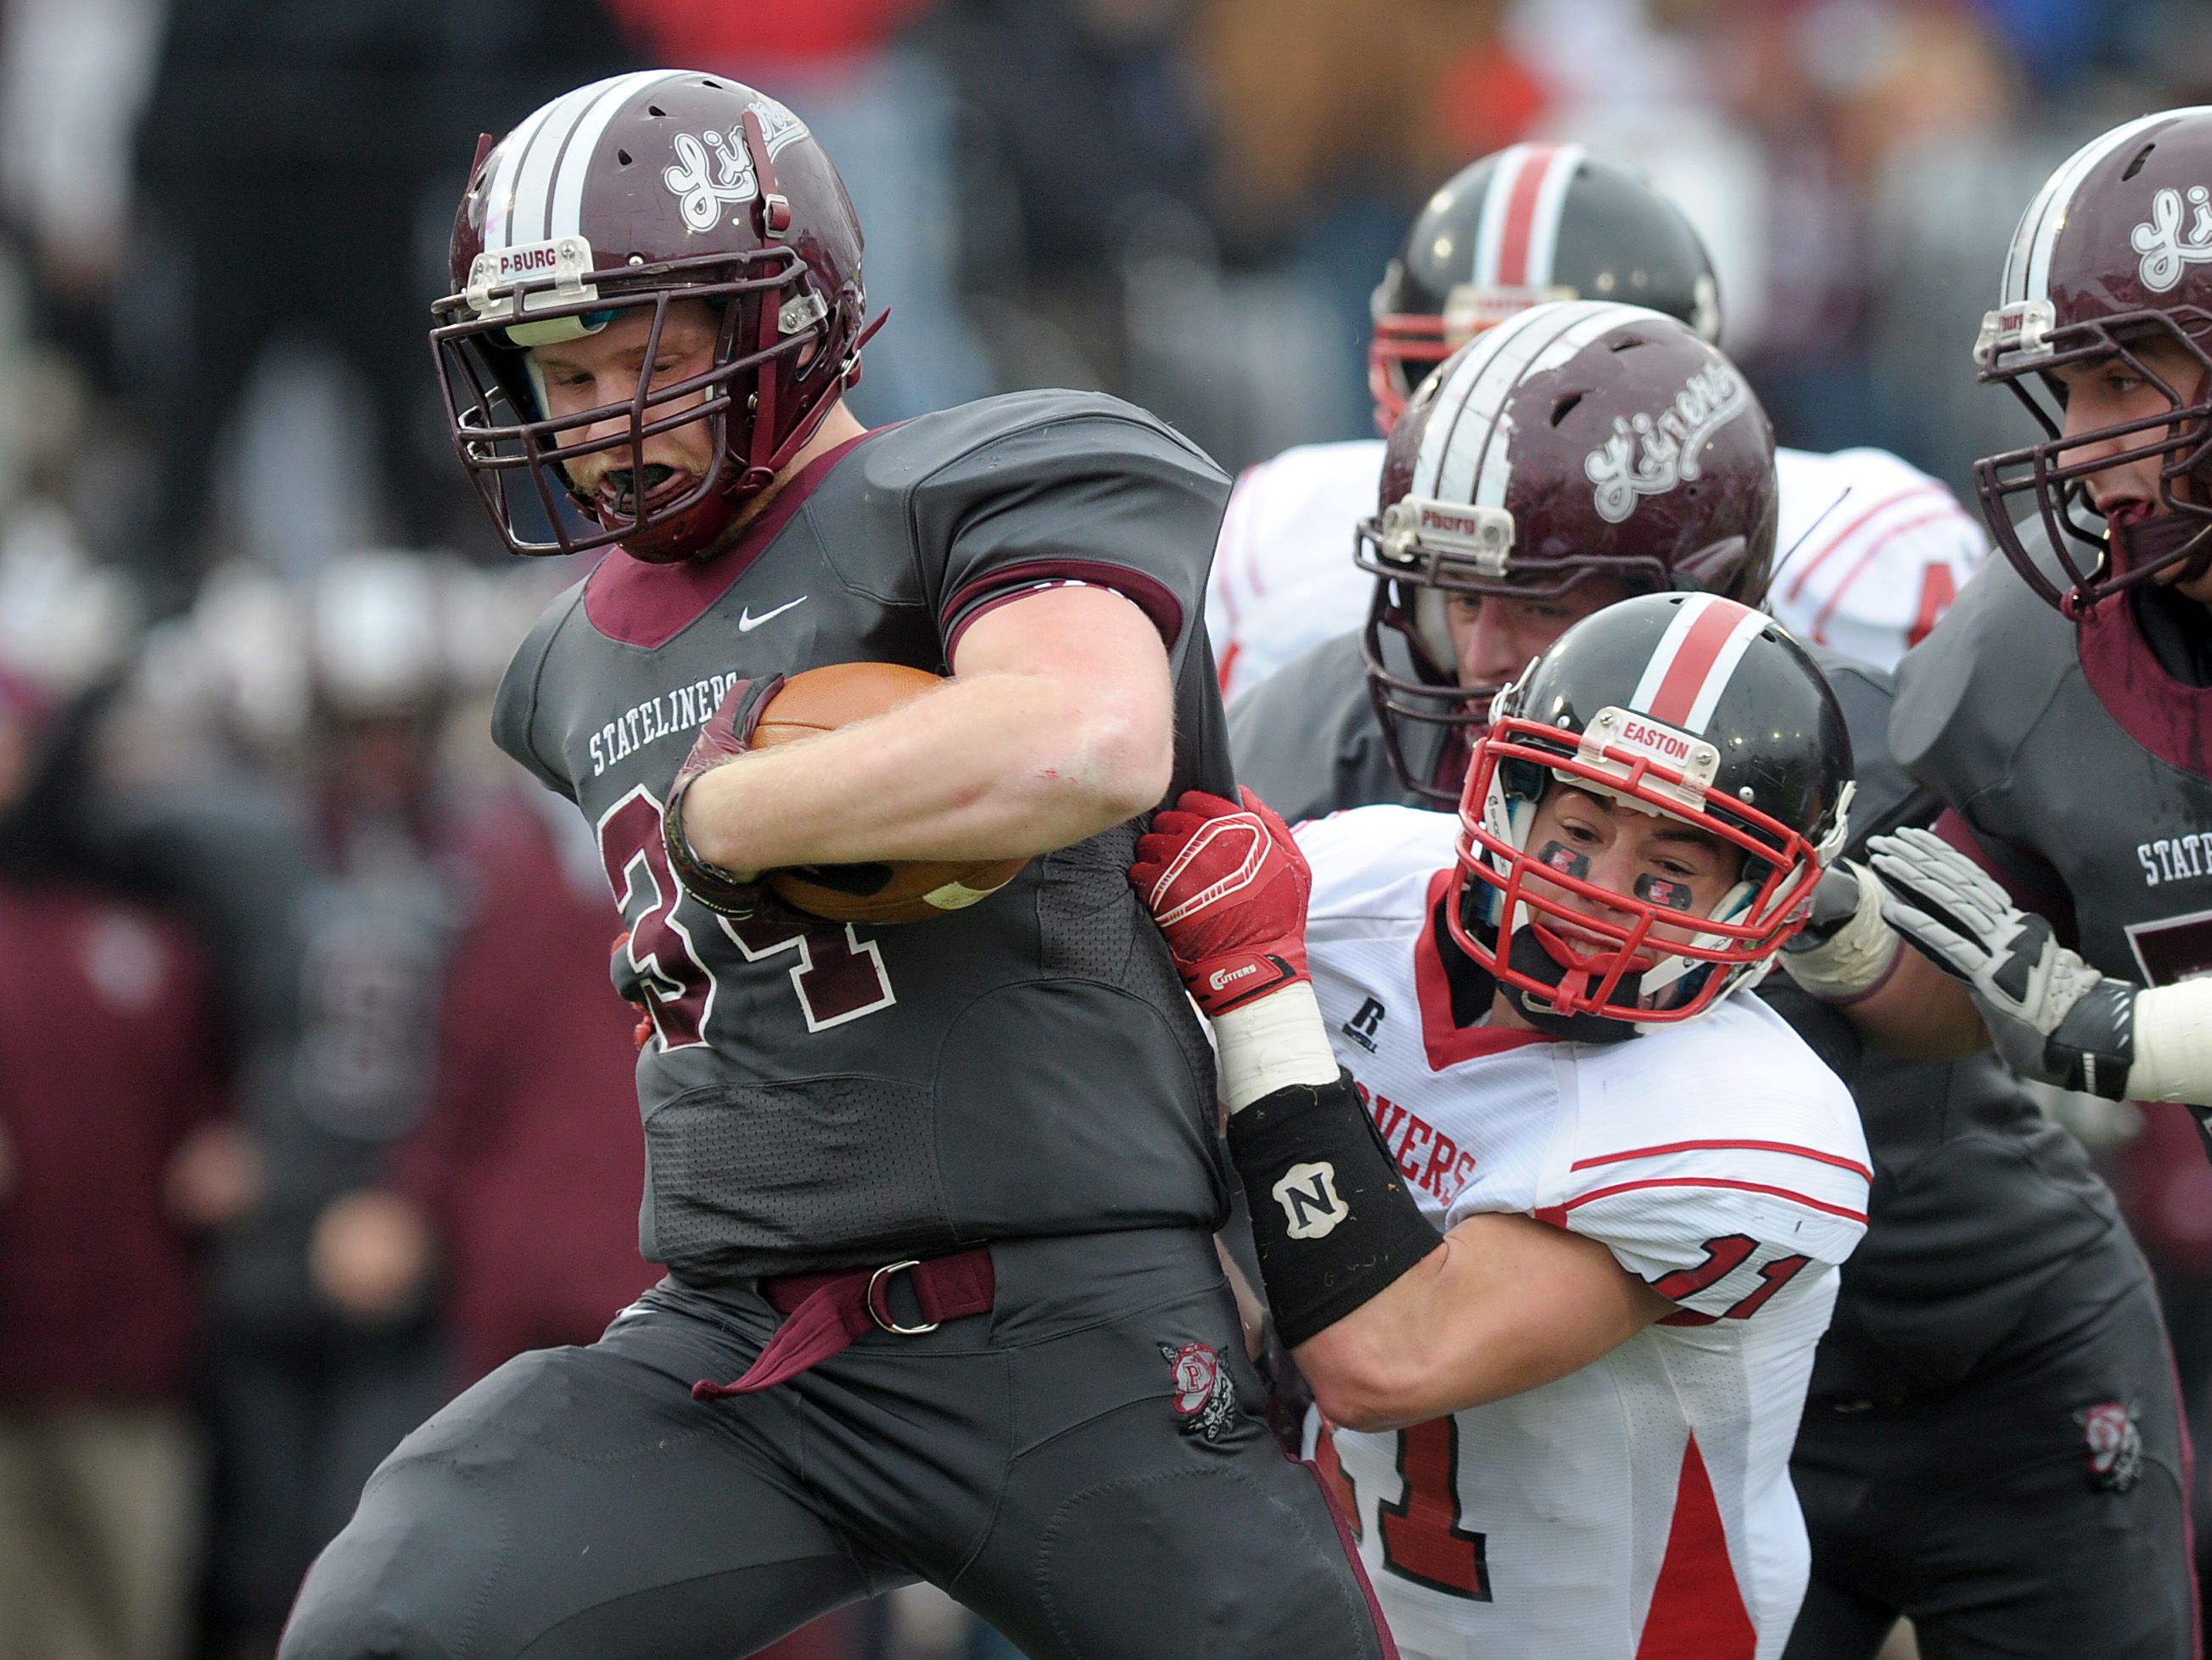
(1978,1204)
(833,1096)
(2081,770)
(1309,743)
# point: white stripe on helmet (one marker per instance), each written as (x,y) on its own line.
(565,214)
(1551,204)
(499,208)
(1489,230)
(1466,454)
(533,183)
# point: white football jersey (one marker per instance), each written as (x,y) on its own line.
(1869,552)
(1641,1507)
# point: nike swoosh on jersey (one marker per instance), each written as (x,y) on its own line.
(747,622)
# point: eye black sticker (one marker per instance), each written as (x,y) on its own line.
(1659,890)
(1559,856)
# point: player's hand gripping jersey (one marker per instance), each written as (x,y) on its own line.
(1641,1505)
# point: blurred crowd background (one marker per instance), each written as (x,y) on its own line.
(314,1099)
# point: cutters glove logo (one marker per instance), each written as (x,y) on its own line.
(1649,455)
(2167,253)
(1311,1202)
(1223,978)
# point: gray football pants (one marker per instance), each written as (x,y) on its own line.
(1977,1513)
(1032,1460)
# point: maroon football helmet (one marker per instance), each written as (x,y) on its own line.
(2115,250)
(624,196)
(1576,439)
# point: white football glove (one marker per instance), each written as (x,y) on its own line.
(2053,1017)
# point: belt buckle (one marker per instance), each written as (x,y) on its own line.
(878,1304)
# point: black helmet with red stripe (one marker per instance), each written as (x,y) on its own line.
(1530,223)
(1685,705)
(626,195)
(2114,253)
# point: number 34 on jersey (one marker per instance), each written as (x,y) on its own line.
(834,975)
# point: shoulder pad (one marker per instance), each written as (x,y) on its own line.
(1967,693)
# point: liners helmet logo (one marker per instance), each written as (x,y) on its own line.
(1310,1200)
(706,189)
(2116,1448)
(1205,1394)
(1648,455)
(2165,252)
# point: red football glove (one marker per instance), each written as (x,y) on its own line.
(728,734)
(1228,887)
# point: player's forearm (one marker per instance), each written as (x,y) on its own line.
(1919,1012)
(994,766)
(1508,1305)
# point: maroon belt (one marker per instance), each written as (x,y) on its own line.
(828,1311)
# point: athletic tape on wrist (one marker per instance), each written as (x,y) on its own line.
(1276,1041)
(2173,1044)
(1331,1216)
(1855,958)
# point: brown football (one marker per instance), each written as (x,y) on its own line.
(908,890)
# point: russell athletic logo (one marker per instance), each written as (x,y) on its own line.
(1649,455)
(2166,250)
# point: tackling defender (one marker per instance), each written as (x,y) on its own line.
(1993,1406)
(936,1201)
(1567,1430)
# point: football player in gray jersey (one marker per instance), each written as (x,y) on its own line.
(936,1201)
(1992,1446)
(2062,716)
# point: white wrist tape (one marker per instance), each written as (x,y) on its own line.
(1856,957)
(1270,1042)
(2173,1044)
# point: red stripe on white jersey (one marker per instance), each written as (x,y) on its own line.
(1791,1195)
(1697,1610)
(1804,571)
(1664,1149)
(1683,681)
(1828,606)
